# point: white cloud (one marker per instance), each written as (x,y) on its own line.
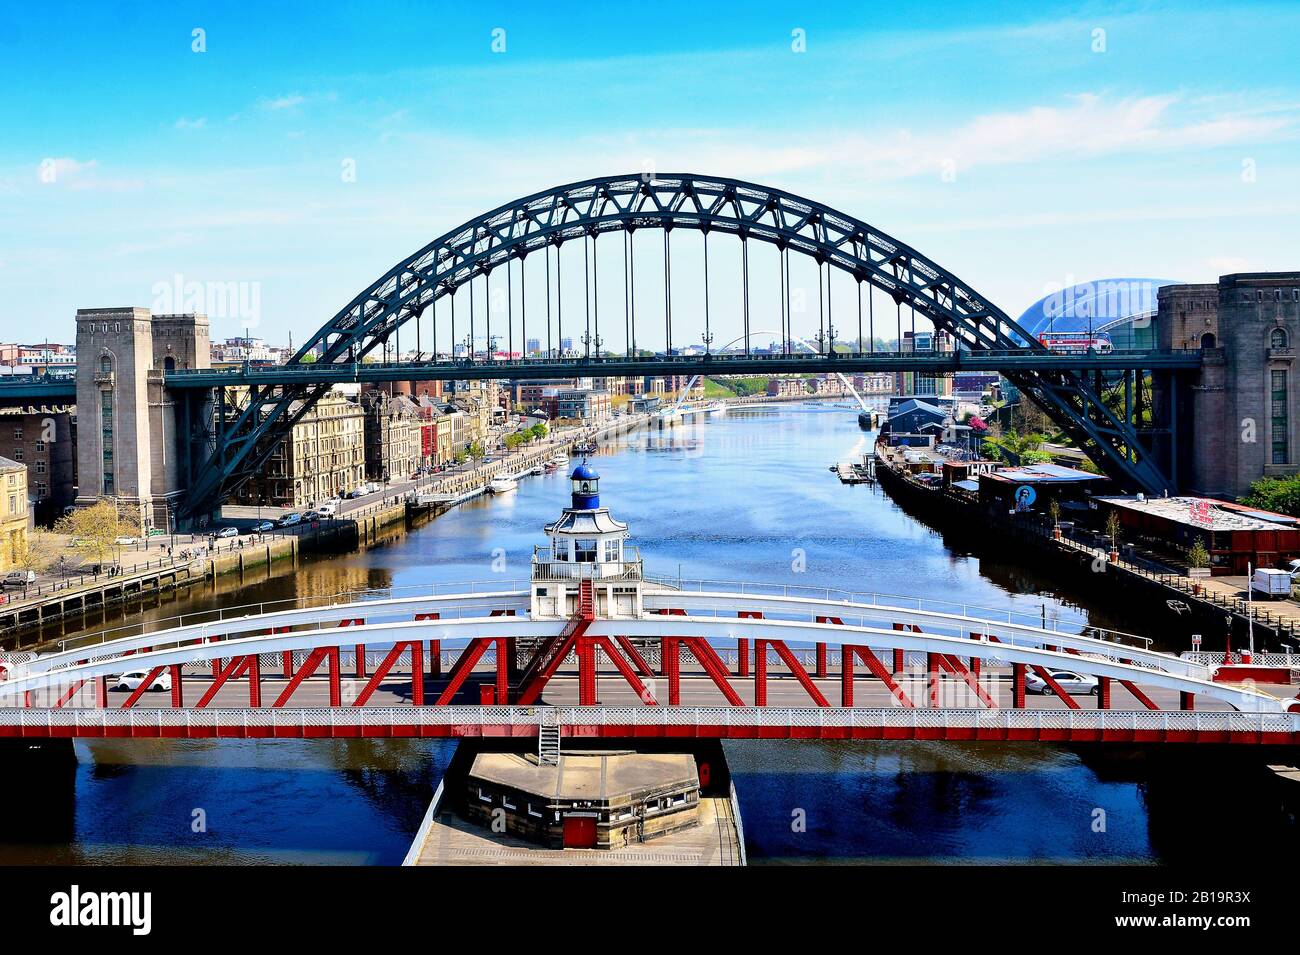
(186,123)
(283,102)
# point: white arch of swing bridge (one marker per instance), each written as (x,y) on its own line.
(695,597)
(694,614)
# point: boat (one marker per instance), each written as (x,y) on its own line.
(536,469)
(867,420)
(587,448)
(559,460)
(502,483)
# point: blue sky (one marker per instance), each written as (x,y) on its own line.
(993,137)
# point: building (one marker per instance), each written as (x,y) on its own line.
(1034,486)
(588,800)
(1236,537)
(14,514)
(1237,421)
(45,440)
(924,382)
(786,387)
(323,457)
(128,423)
(393,436)
(583,404)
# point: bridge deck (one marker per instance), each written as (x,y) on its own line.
(783,690)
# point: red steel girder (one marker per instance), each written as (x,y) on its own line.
(878,670)
(140,690)
(954,666)
(760,672)
(309,667)
(236,666)
(416,648)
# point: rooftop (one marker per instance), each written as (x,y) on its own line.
(1205,513)
(1042,473)
(594,777)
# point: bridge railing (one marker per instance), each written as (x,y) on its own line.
(721,359)
(219,614)
(1041,620)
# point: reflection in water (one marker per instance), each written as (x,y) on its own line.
(746,496)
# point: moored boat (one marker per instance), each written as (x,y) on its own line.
(502,483)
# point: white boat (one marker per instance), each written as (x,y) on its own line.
(538,469)
(502,483)
(560,460)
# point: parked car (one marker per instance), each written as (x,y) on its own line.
(328,510)
(263,527)
(1076,684)
(20,578)
(125,541)
(357,492)
(228,532)
(289,520)
(132,679)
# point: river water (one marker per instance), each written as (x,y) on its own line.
(745,496)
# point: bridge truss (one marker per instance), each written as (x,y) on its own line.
(706,663)
(240,446)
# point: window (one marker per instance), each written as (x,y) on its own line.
(40,445)
(1280,422)
(1277,339)
(18,434)
(584,552)
(18,453)
(40,467)
(105,364)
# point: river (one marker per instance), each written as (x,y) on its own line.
(745,496)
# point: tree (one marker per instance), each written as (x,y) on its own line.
(97,527)
(1276,494)
(539,430)
(1054,509)
(1113,526)
(475,450)
(1197,555)
(38,551)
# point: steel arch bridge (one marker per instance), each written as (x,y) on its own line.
(834,665)
(747,211)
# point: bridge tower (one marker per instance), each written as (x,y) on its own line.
(588,548)
(130,447)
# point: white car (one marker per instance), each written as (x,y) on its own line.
(263,528)
(1076,684)
(20,578)
(126,540)
(228,532)
(132,679)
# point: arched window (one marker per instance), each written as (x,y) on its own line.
(106,364)
(1207,340)
(1278,338)
(169,363)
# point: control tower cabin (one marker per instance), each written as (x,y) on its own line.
(586,544)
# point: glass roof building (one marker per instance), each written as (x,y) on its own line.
(1123,308)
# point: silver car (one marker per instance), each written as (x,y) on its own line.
(1076,684)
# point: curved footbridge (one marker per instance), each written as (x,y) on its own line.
(699,662)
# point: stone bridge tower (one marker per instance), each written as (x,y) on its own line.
(128,447)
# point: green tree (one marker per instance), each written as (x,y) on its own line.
(1197,555)
(1276,494)
(96,528)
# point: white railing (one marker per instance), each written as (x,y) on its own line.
(1042,620)
(1212,658)
(866,718)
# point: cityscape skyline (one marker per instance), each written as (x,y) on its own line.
(208,166)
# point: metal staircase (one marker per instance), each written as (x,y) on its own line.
(552,653)
(548,738)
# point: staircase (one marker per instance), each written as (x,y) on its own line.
(548,738)
(551,653)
